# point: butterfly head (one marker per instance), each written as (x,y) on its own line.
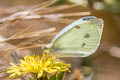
(47,46)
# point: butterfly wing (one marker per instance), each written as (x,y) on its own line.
(77,22)
(79,39)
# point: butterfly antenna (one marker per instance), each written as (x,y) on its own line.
(40,41)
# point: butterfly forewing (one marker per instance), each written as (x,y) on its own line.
(80,40)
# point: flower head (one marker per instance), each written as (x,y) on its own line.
(38,65)
(14,69)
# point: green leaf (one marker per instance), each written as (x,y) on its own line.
(60,76)
(53,77)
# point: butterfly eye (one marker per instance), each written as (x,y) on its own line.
(46,46)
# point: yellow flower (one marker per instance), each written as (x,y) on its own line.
(30,64)
(15,70)
(36,65)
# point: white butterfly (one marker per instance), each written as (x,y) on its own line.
(79,39)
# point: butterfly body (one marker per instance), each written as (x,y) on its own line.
(79,39)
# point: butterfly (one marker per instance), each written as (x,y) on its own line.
(79,39)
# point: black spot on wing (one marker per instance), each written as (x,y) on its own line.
(77,27)
(83,44)
(89,18)
(87,35)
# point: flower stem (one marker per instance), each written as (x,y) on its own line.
(35,77)
(44,77)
